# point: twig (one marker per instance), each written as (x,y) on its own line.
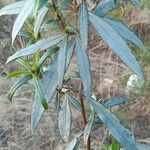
(88,145)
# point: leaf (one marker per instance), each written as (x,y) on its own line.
(104,7)
(74,102)
(42,45)
(88,127)
(39,20)
(25,34)
(40,93)
(123,135)
(83,25)
(18,73)
(36,59)
(65,121)
(116,43)
(49,84)
(114,146)
(84,67)
(74,144)
(62,57)
(115,101)
(46,55)
(17,85)
(64,3)
(52,24)
(14,8)
(38,4)
(125,32)
(23,15)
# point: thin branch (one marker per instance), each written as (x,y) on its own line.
(88,145)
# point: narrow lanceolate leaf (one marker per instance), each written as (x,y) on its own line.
(115,101)
(88,127)
(42,45)
(23,15)
(75,103)
(84,67)
(64,3)
(74,144)
(38,4)
(57,102)
(17,85)
(83,25)
(62,57)
(40,93)
(18,73)
(39,20)
(14,8)
(115,42)
(65,121)
(49,84)
(104,7)
(123,135)
(126,32)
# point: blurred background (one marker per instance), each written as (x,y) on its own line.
(110,78)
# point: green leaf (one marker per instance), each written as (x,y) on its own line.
(42,45)
(18,73)
(14,8)
(38,4)
(49,84)
(84,67)
(104,7)
(115,101)
(83,25)
(52,24)
(39,20)
(40,93)
(64,3)
(88,127)
(23,15)
(74,144)
(114,146)
(74,102)
(36,59)
(65,121)
(46,55)
(116,43)
(17,85)
(123,135)
(25,34)
(62,57)
(125,32)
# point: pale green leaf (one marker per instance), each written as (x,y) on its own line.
(23,15)
(83,25)
(116,43)
(126,32)
(62,57)
(65,121)
(84,67)
(39,20)
(14,8)
(42,45)
(123,135)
